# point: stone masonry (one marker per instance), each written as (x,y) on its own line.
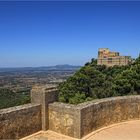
(64,119)
(73,120)
(44,95)
(20,121)
(79,120)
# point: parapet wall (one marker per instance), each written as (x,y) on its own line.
(79,120)
(44,96)
(20,121)
(73,120)
(64,119)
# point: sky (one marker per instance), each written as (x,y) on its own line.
(44,33)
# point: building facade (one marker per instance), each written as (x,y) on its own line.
(108,58)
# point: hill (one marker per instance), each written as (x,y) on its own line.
(94,81)
(44,68)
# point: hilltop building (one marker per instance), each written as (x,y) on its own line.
(108,58)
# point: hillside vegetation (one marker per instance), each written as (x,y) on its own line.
(93,81)
(8,98)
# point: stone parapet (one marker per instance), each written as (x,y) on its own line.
(64,119)
(79,120)
(20,121)
(44,95)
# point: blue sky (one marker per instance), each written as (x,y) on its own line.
(51,33)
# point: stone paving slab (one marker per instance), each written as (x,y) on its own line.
(123,131)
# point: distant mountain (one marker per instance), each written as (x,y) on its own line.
(66,66)
(44,68)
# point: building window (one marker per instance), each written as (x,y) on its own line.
(109,60)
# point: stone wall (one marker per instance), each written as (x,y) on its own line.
(20,121)
(64,119)
(72,120)
(79,120)
(44,95)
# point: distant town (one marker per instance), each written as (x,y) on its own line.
(22,79)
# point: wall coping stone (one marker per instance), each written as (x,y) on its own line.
(18,108)
(90,103)
(47,88)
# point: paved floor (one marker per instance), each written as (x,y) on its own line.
(123,131)
(48,135)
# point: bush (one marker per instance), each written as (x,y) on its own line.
(9,98)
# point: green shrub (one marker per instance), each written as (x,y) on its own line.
(9,98)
